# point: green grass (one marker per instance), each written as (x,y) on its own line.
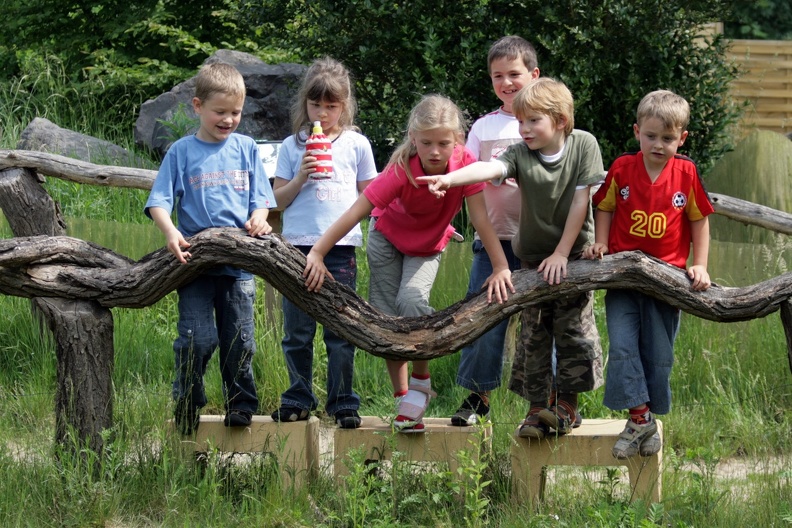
(731,384)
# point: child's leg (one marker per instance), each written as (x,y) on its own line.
(413,401)
(193,348)
(532,372)
(579,358)
(234,313)
(341,398)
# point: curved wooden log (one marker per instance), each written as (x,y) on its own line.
(78,171)
(752,214)
(73,269)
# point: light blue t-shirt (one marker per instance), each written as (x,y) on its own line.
(211,184)
(320,202)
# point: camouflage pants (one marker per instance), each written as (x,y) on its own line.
(569,323)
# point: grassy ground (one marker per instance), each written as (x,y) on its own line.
(731,383)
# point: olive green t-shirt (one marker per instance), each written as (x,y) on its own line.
(547,189)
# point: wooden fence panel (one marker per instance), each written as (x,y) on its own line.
(766,83)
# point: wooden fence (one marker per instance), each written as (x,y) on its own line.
(766,83)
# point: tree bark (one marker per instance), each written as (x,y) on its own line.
(70,268)
(83,329)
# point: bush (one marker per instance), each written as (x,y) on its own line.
(609,52)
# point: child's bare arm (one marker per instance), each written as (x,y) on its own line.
(699,232)
(174,240)
(315,270)
(500,280)
(602,224)
(257,223)
(554,267)
(479,171)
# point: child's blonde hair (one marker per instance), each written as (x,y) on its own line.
(325,80)
(549,97)
(219,78)
(432,111)
(671,109)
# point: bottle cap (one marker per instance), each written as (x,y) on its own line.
(317,127)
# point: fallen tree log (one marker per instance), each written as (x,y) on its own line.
(73,269)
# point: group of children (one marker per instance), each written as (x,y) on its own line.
(526,176)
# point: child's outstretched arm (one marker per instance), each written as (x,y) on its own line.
(174,240)
(602,224)
(257,223)
(315,270)
(699,232)
(479,171)
(554,267)
(500,281)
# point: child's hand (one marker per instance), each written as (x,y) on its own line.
(699,277)
(257,223)
(499,283)
(437,184)
(554,268)
(307,167)
(595,251)
(176,241)
(315,271)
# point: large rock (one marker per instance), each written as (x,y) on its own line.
(270,89)
(44,135)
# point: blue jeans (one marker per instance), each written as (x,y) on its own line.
(481,363)
(299,330)
(641,332)
(216,310)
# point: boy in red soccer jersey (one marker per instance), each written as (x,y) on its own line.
(652,201)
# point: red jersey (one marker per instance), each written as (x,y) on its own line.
(653,217)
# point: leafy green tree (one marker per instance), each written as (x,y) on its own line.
(609,52)
(763,19)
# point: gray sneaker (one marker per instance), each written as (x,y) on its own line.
(630,440)
(651,446)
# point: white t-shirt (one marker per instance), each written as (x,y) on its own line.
(488,138)
(320,202)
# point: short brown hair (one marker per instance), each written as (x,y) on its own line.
(512,47)
(219,78)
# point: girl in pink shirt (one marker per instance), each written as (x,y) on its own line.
(408,232)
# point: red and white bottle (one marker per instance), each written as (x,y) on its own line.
(318,146)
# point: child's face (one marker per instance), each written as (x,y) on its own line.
(219,115)
(434,149)
(327,113)
(658,143)
(540,132)
(508,76)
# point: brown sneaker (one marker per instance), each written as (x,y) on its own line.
(578,416)
(561,417)
(531,427)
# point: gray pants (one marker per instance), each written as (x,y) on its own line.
(399,284)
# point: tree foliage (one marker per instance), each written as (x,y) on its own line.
(609,52)
(762,19)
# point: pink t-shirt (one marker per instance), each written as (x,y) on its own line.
(411,218)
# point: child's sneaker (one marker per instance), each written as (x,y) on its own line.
(651,446)
(578,416)
(531,427)
(235,418)
(472,411)
(287,413)
(347,419)
(409,415)
(630,440)
(561,417)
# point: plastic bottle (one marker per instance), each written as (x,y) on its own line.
(320,147)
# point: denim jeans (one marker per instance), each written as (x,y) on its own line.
(641,332)
(299,330)
(481,362)
(216,310)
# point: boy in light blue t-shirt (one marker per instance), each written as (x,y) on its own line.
(214,178)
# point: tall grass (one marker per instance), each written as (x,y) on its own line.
(731,384)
